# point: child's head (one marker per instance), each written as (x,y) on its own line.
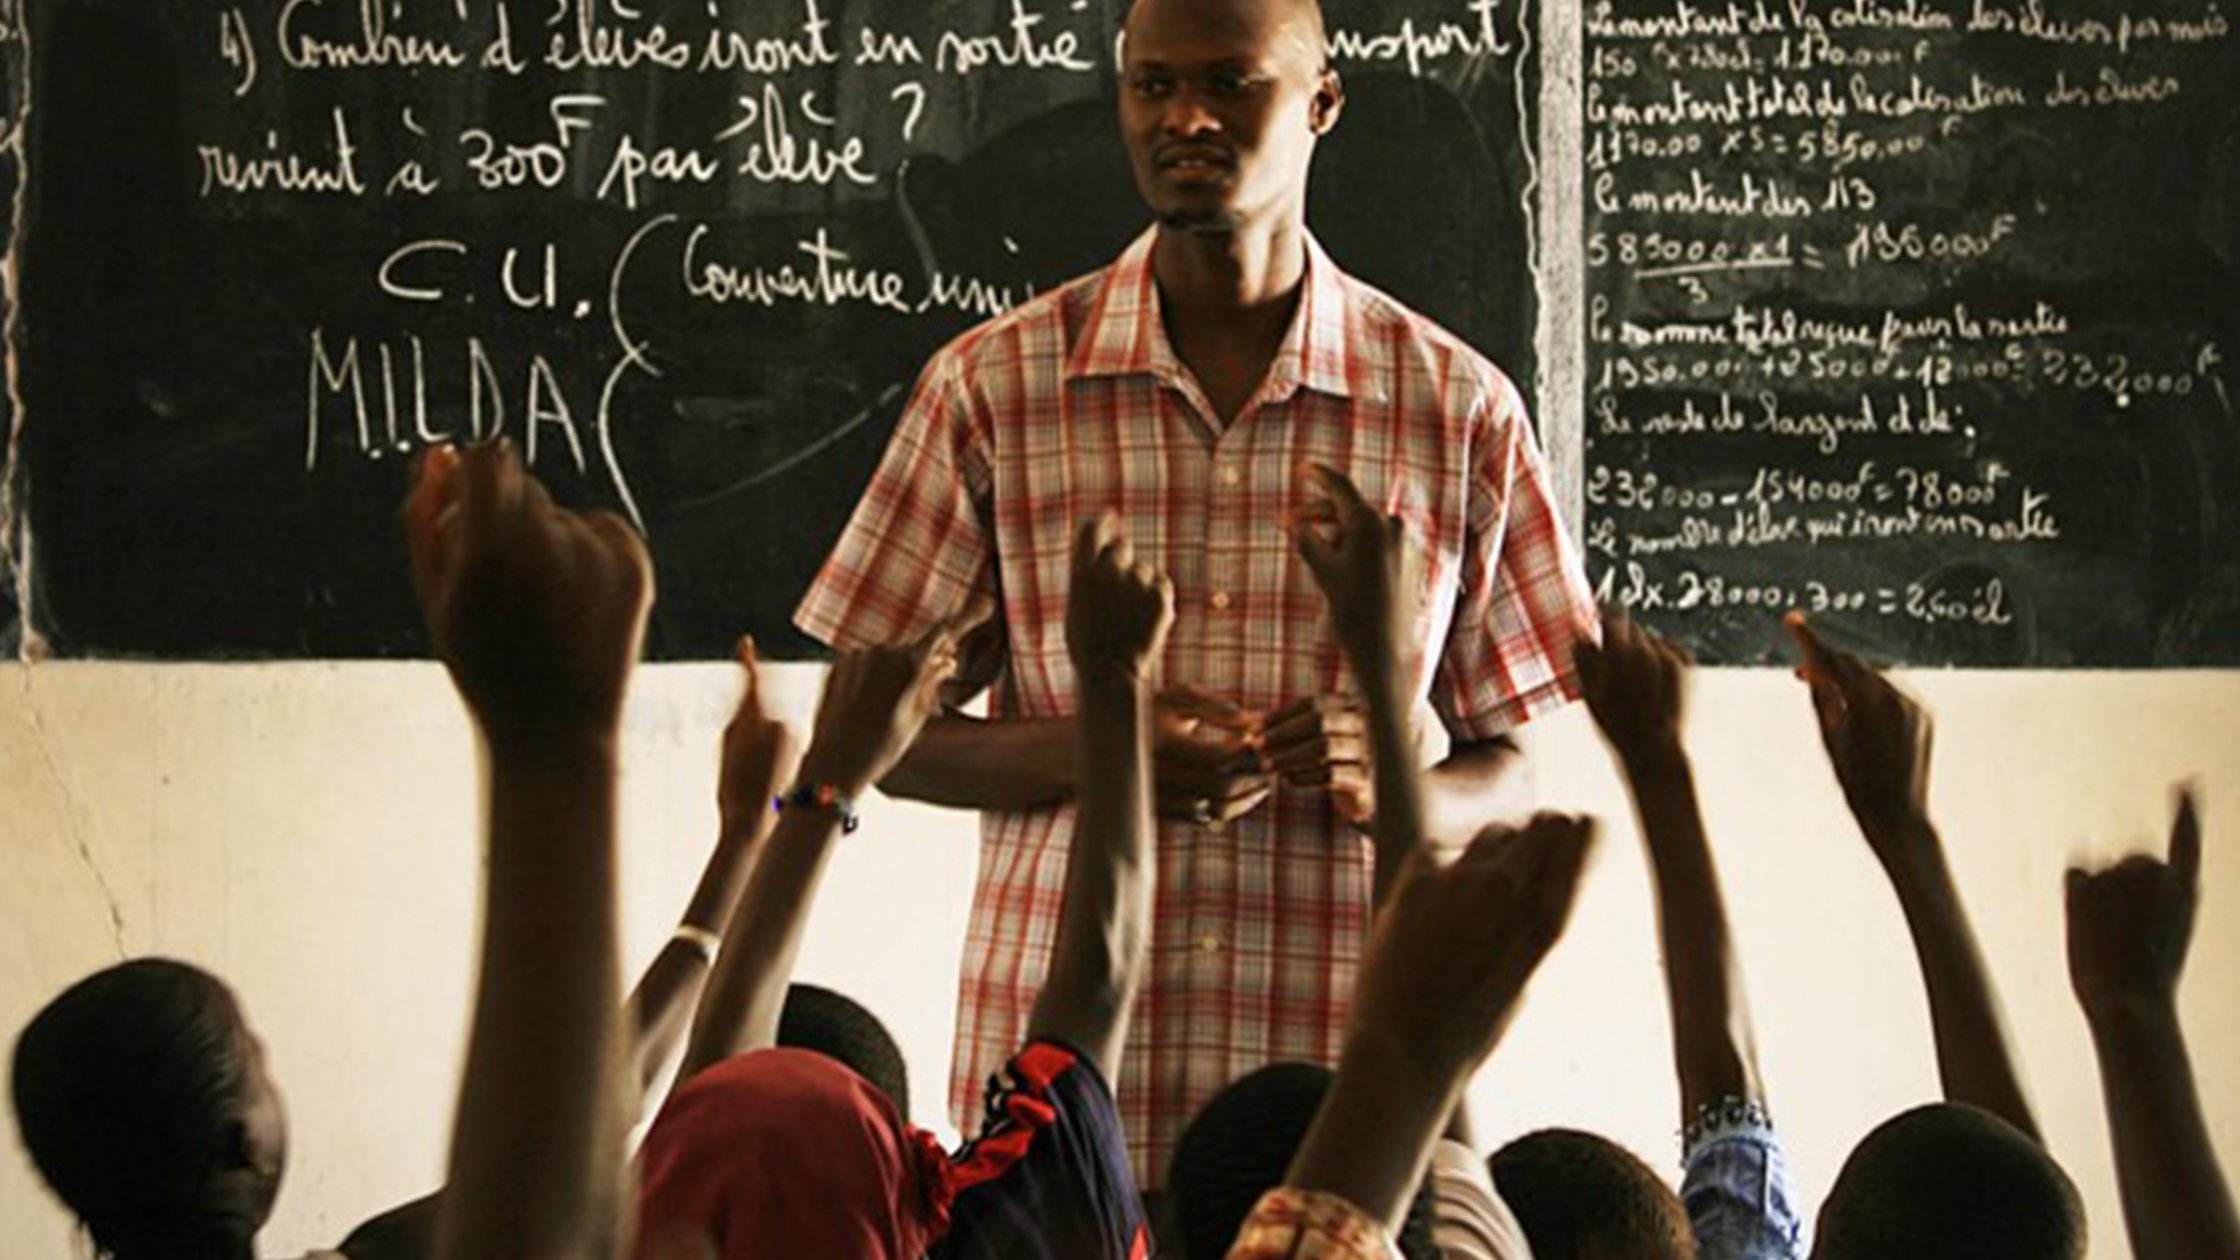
(836,1025)
(1583,1197)
(787,1152)
(143,1099)
(1239,1146)
(1947,1180)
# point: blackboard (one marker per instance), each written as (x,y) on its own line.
(688,254)
(1919,315)
(12,82)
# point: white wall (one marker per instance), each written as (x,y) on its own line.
(309,832)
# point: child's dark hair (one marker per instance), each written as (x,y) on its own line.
(1580,1194)
(1948,1180)
(128,1089)
(839,1027)
(1239,1146)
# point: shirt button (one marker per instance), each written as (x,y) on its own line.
(1210,943)
(1220,599)
(1231,475)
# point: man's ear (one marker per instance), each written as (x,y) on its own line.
(1329,102)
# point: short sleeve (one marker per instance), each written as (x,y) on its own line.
(1523,600)
(1047,1178)
(1469,1220)
(918,548)
(1736,1187)
(1290,1224)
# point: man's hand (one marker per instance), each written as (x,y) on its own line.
(874,703)
(537,611)
(1636,686)
(1368,572)
(759,753)
(1323,742)
(2131,924)
(1119,608)
(1451,954)
(1206,763)
(1878,739)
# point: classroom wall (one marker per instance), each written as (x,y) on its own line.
(310,832)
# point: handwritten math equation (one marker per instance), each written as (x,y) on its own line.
(1862,305)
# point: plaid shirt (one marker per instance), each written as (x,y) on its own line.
(1076,402)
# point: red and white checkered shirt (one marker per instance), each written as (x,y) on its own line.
(1076,402)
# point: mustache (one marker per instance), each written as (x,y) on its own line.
(1192,151)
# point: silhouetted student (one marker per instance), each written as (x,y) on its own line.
(539,614)
(144,1098)
(1451,952)
(1579,1194)
(775,1152)
(1969,1177)
(2130,926)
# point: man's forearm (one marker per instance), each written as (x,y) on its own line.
(987,763)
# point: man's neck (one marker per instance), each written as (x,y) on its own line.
(1222,277)
(1226,301)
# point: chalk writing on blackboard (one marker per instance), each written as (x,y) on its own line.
(689,255)
(1915,314)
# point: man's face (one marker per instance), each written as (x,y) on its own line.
(1220,105)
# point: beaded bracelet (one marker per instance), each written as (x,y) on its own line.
(820,796)
(1730,1112)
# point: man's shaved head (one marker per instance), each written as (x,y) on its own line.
(1221,103)
(1299,21)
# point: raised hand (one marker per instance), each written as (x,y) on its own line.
(1443,974)
(1878,740)
(874,703)
(1636,686)
(2130,924)
(1119,609)
(1451,955)
(537,611)
(1367,570)
(759,753)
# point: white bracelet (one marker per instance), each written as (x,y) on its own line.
(702,941)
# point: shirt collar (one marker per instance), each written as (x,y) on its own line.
(1124,335)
